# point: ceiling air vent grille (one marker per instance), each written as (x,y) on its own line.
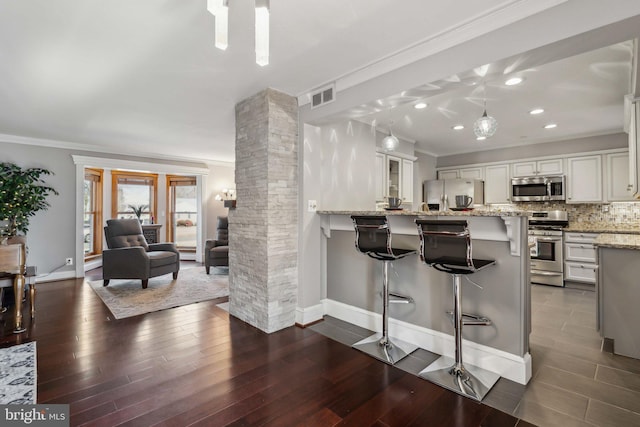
(323,96)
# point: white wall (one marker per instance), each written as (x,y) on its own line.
(52,233)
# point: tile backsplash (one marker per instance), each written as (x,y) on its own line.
(606,215)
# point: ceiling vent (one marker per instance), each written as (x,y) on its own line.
(323,96)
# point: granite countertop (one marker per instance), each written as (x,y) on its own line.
(475,212)
(619,241)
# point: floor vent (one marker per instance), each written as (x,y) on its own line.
(323,96)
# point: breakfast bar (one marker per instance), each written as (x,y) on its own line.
(500,292)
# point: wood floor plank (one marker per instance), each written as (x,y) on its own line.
(197,365)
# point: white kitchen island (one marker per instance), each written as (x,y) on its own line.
(354,282)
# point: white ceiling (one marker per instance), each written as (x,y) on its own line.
(143,76)
(582,94)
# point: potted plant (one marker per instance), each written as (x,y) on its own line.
(22,193)
(139,210)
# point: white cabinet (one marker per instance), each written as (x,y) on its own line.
(584,179)
(393,177)
(617,178)
(497,186)
(406,186)
(471,173)
(380,177)
(580,257)
(449,174)
(634,150)
(540,167)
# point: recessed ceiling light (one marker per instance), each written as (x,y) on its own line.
(420,105)
(550,126)
(481,138)
(514,81)
(458,127)
(536,111)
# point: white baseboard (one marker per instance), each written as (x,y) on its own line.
(94,263)
(56,275)
(507,365)
(307,315)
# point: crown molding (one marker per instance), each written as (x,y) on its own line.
(76,146)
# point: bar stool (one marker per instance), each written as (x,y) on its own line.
(373,238)
(446,246)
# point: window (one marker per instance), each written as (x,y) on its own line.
(132,190)
(92,226)
(182,204)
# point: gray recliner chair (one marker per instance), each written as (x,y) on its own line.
(216,251)
(130,256)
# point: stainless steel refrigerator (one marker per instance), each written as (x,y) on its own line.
(440,194)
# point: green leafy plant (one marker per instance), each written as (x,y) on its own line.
(139,210)
(22,193)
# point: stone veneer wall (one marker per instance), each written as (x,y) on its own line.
(623,215)
(263,229)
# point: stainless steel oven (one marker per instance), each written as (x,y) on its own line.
(546,246)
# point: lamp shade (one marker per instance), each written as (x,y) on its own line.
(485,126)
(390,142)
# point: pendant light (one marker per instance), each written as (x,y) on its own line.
(486,125)
(390,142)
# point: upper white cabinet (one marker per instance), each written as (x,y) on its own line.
(584,179)
(380,176)
(617,178)
(406,187)
(393,177)
(540,167)
(449,174)
(472,173)
(497,186)
(634,150)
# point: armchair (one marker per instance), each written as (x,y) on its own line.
(130,256)
(216,251)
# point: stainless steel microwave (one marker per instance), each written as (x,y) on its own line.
(538,188)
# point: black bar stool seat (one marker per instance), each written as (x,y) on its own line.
(446,246)
(373,238)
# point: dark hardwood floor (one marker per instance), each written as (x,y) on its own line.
(196,365)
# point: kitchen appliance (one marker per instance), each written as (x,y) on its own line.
(546,246)
(440,194)
(538,188)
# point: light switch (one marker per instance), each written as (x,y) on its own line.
(312,206)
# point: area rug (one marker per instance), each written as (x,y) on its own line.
(18,374)
(126,298)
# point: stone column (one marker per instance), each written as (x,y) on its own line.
(263,229)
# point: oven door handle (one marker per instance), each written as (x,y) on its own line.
(548,239)
(544,273)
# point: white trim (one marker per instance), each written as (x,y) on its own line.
(110,163)
(94,263)
(510,366)
(504,14)
(307,315)
(53,143)
(56,275)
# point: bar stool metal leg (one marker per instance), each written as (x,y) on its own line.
(379,345)
(469,381)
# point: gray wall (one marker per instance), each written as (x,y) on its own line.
(580,145)
(51,236)
(355,279)
(220,176)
